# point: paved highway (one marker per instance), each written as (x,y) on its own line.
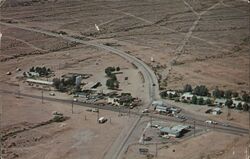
(219,127)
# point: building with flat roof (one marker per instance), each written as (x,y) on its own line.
(41,82)
(161,109)
(157,103)
(175,131)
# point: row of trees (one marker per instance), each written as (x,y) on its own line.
(228,103)
(112,82)
(198,90)
(224,94)
(109,70)
(217,93)
(200,101)
(43,71)
(169,95)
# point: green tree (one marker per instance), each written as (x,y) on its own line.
(246,97)
(228,94)
(110,84)
(216,93)
(200,101)
(32,69)
(170,96)
(187,88)
(113,76)
(61,87)
(239,106)
(200,90)
(56,82)
(235,94)
(194,100)
(229,103)
(208,101)
(117,68)
(245,107)
(163,94)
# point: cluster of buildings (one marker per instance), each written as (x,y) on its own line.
(220,102)
(160,107)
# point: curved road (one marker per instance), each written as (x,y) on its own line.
(144,68)
(150,81)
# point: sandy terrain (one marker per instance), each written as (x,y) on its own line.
(224,147)
(74,138)
(191,41)
(208,33)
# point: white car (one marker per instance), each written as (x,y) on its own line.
(75,99)
(210,122)
(52,94)
(145,111)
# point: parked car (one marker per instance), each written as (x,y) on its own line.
(155,126)
(145,111)
(102,120)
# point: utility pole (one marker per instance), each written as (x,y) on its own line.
(72,105)
(248,80)
(1,114)
(151,121)
(228,113)
(42,96)
(194,127)
(97,118)
(156,149)
(18,92)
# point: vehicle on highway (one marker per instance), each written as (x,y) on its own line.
(75,99)
(52,94)
(89,110)
(210,122)
(95,110)
(145,111)
(225,124)
(148,138)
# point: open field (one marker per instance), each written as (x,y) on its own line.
(74,138)
(213,33)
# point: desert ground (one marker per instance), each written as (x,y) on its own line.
(207,36)
(191,41)
(224,147)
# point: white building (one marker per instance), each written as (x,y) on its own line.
(39,82)
(187,96)
(157,103)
